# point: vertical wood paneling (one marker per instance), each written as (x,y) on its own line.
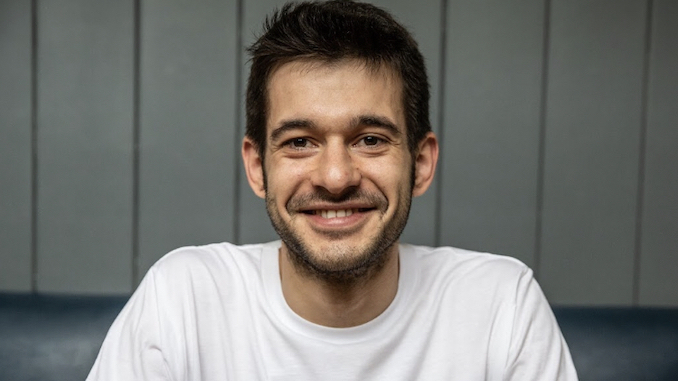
(15,146)
(491,120)
(192,80)
(187,125)
(592,145)
(659,238)
(85,71)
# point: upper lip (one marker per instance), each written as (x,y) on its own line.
(342,206)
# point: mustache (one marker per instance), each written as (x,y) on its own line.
(302,201)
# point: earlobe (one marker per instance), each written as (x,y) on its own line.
(253,167)
(425,164)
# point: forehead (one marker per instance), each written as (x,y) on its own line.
(322,91)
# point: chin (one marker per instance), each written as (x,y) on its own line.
(339,262)
(339,268)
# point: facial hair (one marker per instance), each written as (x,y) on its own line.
(342,265)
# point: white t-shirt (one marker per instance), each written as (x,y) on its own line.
(217,312)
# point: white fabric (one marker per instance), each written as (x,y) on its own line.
(217,312)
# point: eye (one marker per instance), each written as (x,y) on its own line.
(298,143)
(370,141)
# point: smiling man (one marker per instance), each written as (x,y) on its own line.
(338,141)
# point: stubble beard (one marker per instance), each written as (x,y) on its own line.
(341,265)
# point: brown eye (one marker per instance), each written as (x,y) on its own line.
(371,140)
(299,142)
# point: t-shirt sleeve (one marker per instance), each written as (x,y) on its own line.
(538,350)
(132,349)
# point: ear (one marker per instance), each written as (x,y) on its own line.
(425,164)
(253,167)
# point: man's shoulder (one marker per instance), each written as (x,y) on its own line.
(214,257)
(463,263)
(207,252)
(476,281)
(195,272)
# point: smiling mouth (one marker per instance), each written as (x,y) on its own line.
(336,213)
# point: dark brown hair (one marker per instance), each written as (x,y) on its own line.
(332,31)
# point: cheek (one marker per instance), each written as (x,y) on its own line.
(284,179)
(390,176)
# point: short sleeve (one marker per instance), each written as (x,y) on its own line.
(538,350)
(132,349)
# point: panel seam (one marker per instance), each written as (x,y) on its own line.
(642,148)
(34,147)
(136,140)
(237,122)
(440,121)
(541,154)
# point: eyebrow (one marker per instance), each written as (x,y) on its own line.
(377,121)
(363,120)
(293,124)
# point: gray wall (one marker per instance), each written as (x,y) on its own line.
(120,128)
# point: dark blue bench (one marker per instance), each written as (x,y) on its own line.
(50,338)
(617,343)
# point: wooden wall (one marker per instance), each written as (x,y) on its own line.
(121,122)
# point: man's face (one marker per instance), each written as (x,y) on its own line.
(337,172)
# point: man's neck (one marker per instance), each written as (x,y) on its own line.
(339,305)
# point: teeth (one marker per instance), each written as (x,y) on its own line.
(336,213)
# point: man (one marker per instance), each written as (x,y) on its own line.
(338,142)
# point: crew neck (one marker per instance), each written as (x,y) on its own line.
(376,327)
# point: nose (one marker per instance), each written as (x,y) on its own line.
(336,171)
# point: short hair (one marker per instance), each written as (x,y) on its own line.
(332,31)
